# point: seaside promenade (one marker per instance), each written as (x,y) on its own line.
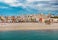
(27,26)
(29,22)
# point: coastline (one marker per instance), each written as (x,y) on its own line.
(27,26)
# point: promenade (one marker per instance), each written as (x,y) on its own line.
(27,26)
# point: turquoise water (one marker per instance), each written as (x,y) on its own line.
(29,35)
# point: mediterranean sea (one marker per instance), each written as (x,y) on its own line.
(29,35)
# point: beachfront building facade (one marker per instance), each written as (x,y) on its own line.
(40,18)
(55,19)
(28,18)
(8,19)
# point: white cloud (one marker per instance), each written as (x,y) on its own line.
(16,3)
(9,1)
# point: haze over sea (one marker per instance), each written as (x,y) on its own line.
(19,7)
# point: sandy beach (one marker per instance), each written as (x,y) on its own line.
(27,26)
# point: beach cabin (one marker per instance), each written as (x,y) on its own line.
(28,19)
(8,19)
(13,19)
(18,18)
(55,19)
(42,17)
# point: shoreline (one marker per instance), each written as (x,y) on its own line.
(27,26)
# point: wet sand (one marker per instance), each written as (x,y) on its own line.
(27,26)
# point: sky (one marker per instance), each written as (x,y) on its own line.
(24,7)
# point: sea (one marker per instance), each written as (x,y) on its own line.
(29,35)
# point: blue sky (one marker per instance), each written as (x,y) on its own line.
(19,7)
